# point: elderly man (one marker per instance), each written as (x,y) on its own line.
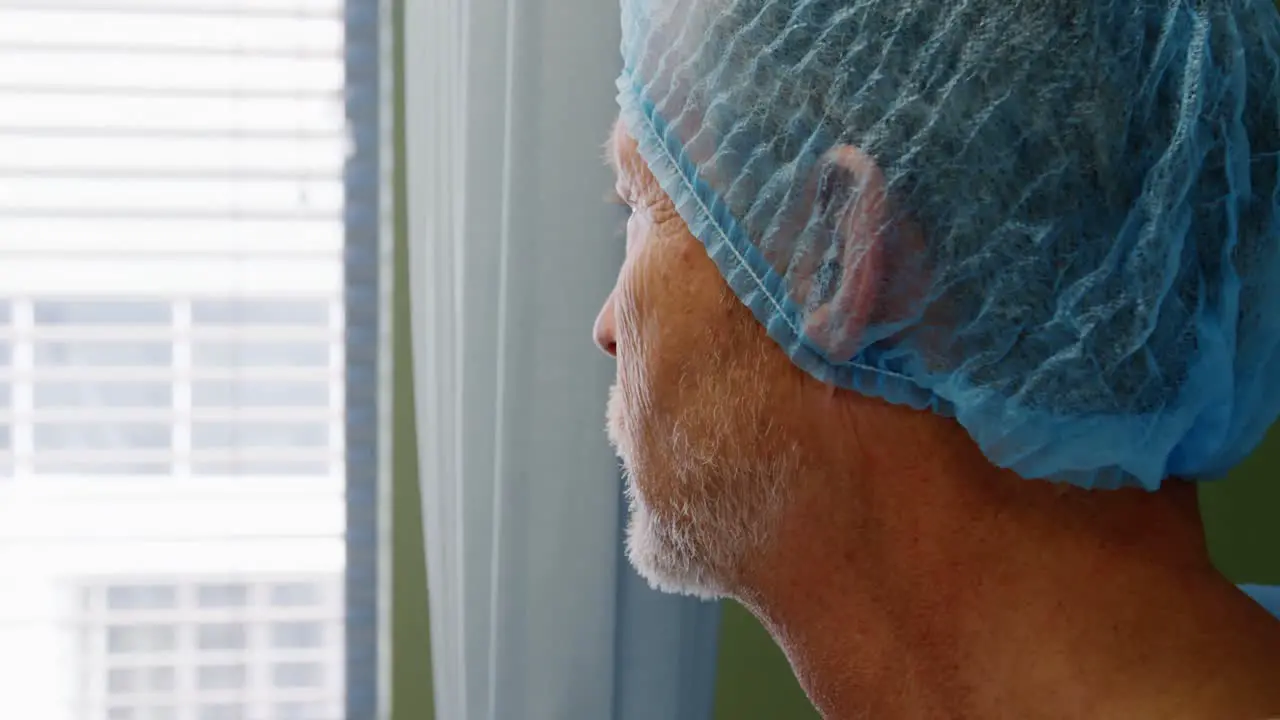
(931,315)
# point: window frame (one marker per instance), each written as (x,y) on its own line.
(367,309)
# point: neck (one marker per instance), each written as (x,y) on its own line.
(968,593)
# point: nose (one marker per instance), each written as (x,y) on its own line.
(604,331)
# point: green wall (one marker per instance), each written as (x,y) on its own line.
(411,693)
(1242,517)
(754,680)
(411,688)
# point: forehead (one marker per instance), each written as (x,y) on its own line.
(613,146)
(623,156)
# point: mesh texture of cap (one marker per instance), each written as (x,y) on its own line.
(1054,220)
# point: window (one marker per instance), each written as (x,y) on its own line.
(102,394)
(299,711)
(99,312)
(99,436)
(184,192)
(221,677)
(122,681)
(222,595)
(232,435)
(271,313)
(98,353)
(123,639)
(297,675)
(291,635)
(272,639)
(246,354)
(141,597)
(260,393)
(234,399)
(295,594)
(222,711)
(222,636)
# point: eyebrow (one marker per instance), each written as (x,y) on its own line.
(610,149)
(612,197)
(611,160)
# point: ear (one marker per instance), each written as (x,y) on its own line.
(852,198)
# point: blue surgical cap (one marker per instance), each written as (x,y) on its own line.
(1054,220)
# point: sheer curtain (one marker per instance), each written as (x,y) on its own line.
(535,613)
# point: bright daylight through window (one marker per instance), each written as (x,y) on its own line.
(172,371)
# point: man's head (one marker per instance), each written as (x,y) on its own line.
(1029,216)
(1094,183)
(719,432)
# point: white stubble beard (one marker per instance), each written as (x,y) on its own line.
(699,552)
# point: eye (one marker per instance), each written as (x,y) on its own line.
(624,212)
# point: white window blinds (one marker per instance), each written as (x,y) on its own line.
(171,235)
(172,357)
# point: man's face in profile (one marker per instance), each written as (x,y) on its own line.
(703,411)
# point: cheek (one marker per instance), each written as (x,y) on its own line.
(631,326)
(646,337)
(662,307)
(632,296)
